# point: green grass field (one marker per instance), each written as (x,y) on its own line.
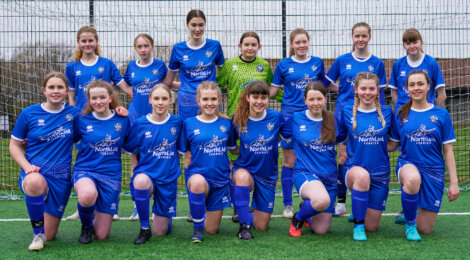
(449,239)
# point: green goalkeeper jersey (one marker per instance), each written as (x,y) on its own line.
(237,73)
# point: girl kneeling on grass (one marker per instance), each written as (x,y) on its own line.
(423,130)
(256,168)
(155,137)
(207,137)
(366,171)
(46,163)
(314,135)
(97,171)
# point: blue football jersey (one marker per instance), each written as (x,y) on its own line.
(79,75)
(422,135)
(100,144)
(346,67)
(294,76)
(157,144)
(259,145)
(50,136)
(196,65)
(402,68)
(208,142)
(312,154)
(367,145)
(142,79)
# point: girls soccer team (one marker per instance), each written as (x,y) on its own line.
(362,127)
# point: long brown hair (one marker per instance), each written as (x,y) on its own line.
(405,109)
(328,126)
(210,85)
(361,24)
(54,75)
(243,108)
(101,84)
(360,77)
(294,33)
(411,35)
(78,52)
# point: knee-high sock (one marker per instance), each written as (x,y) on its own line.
(142,201)
(359,201)
(409,203)
(86,215)
(197,206)
(250,218)
(35,206)
(287,182)
(306,211)
(232,193)
(242,203)
(342,189)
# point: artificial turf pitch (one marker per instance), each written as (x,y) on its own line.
(449,239)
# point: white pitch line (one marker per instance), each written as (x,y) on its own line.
(272,216)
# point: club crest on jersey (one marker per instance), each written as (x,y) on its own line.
(314,68)
(69,117)
(402,73)
(260,68)
(222,129)
(173,131)
(235,67)
(89,128)
(208,54)
(434,118)
(371,68)
(303,128)
(41,122)
(78,73)
(101,69)
(291,70)
(270,126)
(185,57)
(118,127)
(148,134)
(155,72)
(348,66)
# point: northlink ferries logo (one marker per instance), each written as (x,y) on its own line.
(84,86)
(200,71)
(422,135)
(162,151)
(301,83)
(105,146)
(213,147)
(60,132)
(317,145)
(145,86)
(369,136)
(259,146)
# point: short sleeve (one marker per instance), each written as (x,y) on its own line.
(278,78)
(285,127)
(393,77)
(219,59)
(163,70)
(115,75)
(437,77)
(70,75)
(342,130)
(231,143)
(127,74)
(222,76)
(269,74)
(183,141)
(448,134)
(20,131)
(333,73)
(133,140)
(394,133)
(129,143)
(173,64)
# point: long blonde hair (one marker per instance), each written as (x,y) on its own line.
(78,52)
(210,85)
(101,84)
(366,76)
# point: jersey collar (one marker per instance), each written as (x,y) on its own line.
(90,64)
(103,118)
(415,64)
(53,111)
(423,110)
(367,110)
(311,118)
(158,123)
(197,47)
(143,66)
(207,121)
(301,61)
(260,118)
(361,60)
